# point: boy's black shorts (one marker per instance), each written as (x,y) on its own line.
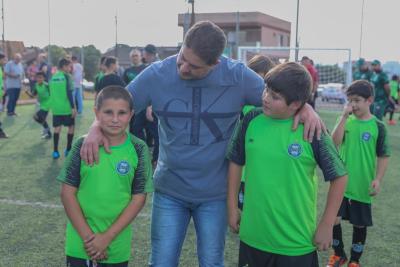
(356,212)
(41,115)
(65,120)
(77,262)
(252,257)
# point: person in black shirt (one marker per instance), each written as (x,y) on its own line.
(137,66)
(110,77)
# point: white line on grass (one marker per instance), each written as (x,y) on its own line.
(46,205)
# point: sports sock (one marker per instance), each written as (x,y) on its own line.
(337,243)
(56,137)
(359,237)
(69,141)
(46,126)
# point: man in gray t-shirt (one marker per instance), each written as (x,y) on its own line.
(14,73)
(197,96)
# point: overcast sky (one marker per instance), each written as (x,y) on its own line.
(322,23)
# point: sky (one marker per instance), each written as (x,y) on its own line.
(322,23)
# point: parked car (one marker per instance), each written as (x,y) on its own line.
(87,86)
(333,92)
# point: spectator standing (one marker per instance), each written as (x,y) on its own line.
(14,73)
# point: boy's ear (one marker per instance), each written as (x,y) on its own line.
(370,99)
(295,106)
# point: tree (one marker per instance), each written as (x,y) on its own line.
(56,53)
(91,57)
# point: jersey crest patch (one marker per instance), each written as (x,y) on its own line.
(123,167)
(295,150)
(366,136)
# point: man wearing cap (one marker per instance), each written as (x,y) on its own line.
(380,80)
(362,71)
(150,54)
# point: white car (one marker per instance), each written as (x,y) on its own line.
(333,92)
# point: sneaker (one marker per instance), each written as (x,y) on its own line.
(3,134)
(11,114)
(336,261)
(392,122)
(56,155)
(354,264)
(66,152)
(46,135)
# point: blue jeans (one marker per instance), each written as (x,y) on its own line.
(13,95)
(78,99)
(170,219)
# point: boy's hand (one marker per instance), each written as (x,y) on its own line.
(312,123)
(234,219)
(90,146)
(347,110)
(375,188)
(73,115)
(323,236)
(96,246)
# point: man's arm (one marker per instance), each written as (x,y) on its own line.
(323,235)
(96,246)
(234,176)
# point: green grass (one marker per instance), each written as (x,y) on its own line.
(34,235)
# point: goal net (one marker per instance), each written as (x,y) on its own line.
(333,65)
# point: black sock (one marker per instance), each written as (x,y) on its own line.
(69,141)
(46,126)
(56,137)
(337,243)
(359,237)
(391,116)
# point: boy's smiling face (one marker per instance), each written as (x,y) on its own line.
(114,116)
(360,105)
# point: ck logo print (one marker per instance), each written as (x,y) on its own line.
(366,136)
(123,167)
(295,150)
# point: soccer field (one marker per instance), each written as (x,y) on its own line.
(32,220)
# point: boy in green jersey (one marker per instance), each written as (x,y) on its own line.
(278,226)
(62,104)
(363,143)
(394,92)
(3,61)
(102,200)
(41,89)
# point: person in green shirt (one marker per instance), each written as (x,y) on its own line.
(382,97)
(62,104)
(99,75)
(394,93)
(364,147)
(278,226)
(362,71)
(41,89)
(3,61)
(102,200)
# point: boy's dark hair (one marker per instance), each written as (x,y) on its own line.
(102,59)
(260,64)
(74,58)
(40,73)
(2,55)
(113,92)
(63,62)
(361,88)
(291,80)
(207,41)
(109,61)
(395,77)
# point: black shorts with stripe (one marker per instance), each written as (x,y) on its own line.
(77,262)
(41,115)
(356,212)
(65,120)
(252,257)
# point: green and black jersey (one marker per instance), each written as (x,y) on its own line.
(105,190)
(43,93)
(61,89)
(379,80)
(280,203)
(363,141)
(362,75)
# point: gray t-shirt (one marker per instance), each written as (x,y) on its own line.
(196,120)
(14,69)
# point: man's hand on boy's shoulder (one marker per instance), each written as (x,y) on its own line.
(313,125)
(90,147)
(375,187)
(234,219)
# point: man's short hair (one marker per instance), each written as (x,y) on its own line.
(40,73)
(207,41)
(260,64)
(291,80)
(151,49)
(109,61)
(361,88)
(113,92)
(63,62)
(133,51)
(74,58)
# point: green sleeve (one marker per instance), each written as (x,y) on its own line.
(328,158)
(143,179)
(70,173)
